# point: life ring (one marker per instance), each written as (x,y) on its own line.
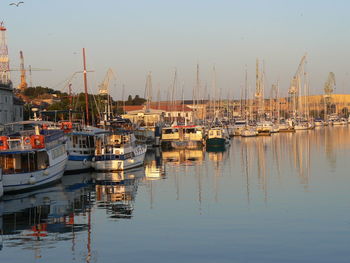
(27,140)
(85,161)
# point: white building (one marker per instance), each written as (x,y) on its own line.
(11,108)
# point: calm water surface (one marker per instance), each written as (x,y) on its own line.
(283,198)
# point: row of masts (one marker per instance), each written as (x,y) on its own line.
(252,106)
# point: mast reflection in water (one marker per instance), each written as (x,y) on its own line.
(262,199)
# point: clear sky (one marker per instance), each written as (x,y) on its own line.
(136,36)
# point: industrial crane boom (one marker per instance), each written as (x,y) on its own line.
(106,81)
(329,85)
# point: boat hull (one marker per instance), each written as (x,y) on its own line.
(36,179)
(104,163)
(248,133)
(216,142)
(264,133)
(1,186)
(78,163)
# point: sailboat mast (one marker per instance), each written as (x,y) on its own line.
(86,90)
(245,94)
(70,101)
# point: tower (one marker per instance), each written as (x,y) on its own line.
(4,58)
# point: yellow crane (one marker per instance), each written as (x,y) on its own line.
(23,84)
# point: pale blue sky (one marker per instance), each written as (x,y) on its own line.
(134,37)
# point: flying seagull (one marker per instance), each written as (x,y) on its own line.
(17,4)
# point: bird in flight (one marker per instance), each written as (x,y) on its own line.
(17,4)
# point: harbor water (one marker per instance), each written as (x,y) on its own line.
(279,198)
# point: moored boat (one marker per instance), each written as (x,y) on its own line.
(118,151)
(80,146)
(319,123)
(183,137)
(32,158)
(217,137)
(249,131)
(239,126)
(264,128)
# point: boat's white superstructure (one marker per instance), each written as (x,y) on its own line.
(183,137)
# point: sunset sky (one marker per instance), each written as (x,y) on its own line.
(137,36)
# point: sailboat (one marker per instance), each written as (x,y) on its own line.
(217,135)
(247,130)
(81,136)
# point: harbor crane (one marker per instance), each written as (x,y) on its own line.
(23,84)
(328,87)
(104,91)
(296,85)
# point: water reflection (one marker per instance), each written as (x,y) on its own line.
(116,192)
(154,168)
(183,157)
(39,219)
(217,185)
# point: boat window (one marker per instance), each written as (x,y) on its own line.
(91,142)
(168,131)
(43,160)
(191,130)
(218,133)
(59,151)
(24,163)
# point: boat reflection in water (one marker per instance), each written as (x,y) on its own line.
(183,157)
(116,191)
(39,219)
(289,155)
(154,167)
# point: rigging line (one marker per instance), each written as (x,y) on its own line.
(98,110)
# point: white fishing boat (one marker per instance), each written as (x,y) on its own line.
(183,137)
(80,146)
(32,157)
(239,126)
(264,128)
(249,131)
(118,151)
